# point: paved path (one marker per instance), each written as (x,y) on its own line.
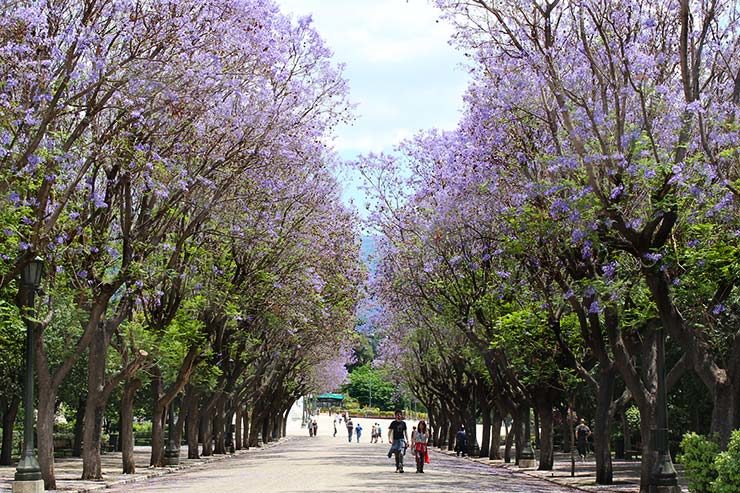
(331,465)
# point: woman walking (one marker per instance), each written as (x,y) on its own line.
(421,442)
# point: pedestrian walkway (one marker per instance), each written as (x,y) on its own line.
(69,470)
(332,465)
(301,463)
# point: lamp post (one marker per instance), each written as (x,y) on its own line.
(527,457)
(172,449)
(28,473)
(663,477)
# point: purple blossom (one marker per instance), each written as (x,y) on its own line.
(587,250)
(594,309)
(652,257)
(82,274)
(718,309)
(610,269)
(616,192)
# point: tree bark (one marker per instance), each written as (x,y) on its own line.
(79,426)
(602,425)
(238,428)
(508,443)
(193,424)
(206,424)
(127,425)
(219,426)
(544,411)
(486,438)
(10,412)
(159,418)
(245,431)
(495,453)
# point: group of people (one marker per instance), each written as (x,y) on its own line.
(399,439)
(377,434)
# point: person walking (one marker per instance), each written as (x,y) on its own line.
(582,434)
(398,438)
(421,441)
(358,432)
(461,442)
(315,427)
(380,433)
(350,429)
(335,427)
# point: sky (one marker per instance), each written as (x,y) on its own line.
(403,75)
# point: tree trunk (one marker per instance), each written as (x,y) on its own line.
(649,455)
(486,438)
(495,453)
(206,423)
(517,427)
(159,418)
(10,412)
(219,427)
(602,425)
(245,418)
(79,426)
(544,411)
(45,436)
(91,438)
(238,428)
(508,443)
(193,425)
(98,392)
(726,411)
(127,425)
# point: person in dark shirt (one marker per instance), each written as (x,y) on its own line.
(582,434)
(398,437)
(461,442)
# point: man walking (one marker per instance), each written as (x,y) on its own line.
(350,429)
(461,442)
(398,437)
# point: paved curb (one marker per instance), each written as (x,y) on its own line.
(164,471)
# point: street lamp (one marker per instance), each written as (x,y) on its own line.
(28,473)
(171,449)
(663,476)
(527,458)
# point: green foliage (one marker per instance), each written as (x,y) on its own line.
(366,382)
(698,454)
(727,465)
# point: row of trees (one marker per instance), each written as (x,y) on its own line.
(167,160)
(585,207)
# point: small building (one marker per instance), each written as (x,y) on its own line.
(329,400)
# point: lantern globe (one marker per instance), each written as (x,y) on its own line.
(32,273)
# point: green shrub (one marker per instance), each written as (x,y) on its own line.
(143,427)
(697,455)
(727,467)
